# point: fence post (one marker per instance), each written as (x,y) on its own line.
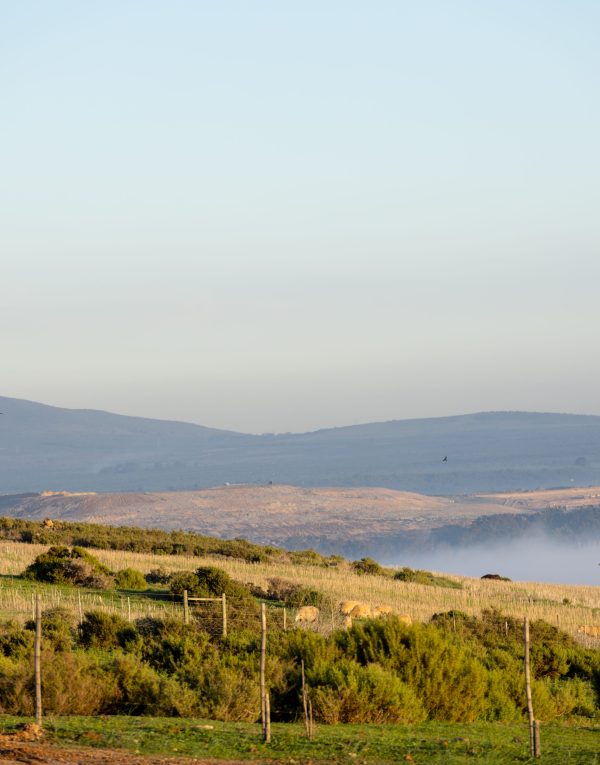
(37,660)
(306,705)
(224,608)
(284,619)
(265,712)
(186,608)
(534,726)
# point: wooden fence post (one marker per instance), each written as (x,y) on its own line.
(224,609)
(534,726)
(265,712)
(186,608)
(37,660)
(306,705)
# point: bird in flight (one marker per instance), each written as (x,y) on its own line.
(445,459)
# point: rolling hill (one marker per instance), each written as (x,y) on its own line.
(50,448)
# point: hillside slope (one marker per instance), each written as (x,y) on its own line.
(272,514)
(44,447)
(382,523)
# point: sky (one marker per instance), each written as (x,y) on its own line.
(278,216)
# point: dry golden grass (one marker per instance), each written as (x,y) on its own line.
(567,606)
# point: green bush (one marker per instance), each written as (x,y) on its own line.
(143,691)
(130,579)
(210,582)
(449,681)
(15,642)
(230,690)
(346,692)
(102,630)
(368,566)
(157,576)
(418,576)
(174,648)
(183,580)
(64,565)
(306,596)
(59,627)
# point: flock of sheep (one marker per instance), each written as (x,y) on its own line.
(354,609)
(350,610)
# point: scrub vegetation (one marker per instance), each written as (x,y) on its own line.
(453,665)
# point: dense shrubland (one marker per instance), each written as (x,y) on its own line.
(457,668)
(154,541)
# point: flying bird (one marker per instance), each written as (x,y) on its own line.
(445,459)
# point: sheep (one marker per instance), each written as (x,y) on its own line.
(589,629)
(347,605)
(383,611)
(361,611)
(307,614)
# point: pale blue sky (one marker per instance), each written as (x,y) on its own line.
(273,216)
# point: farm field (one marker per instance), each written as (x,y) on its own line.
(213,707)
(566,606)
(186,740)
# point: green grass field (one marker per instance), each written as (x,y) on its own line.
(428,743)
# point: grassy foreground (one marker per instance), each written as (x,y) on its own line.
(428,743)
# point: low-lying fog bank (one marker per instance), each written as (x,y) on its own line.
(533,561)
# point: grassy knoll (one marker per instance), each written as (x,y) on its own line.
(430,743)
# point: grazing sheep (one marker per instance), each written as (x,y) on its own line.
(361,611)
(383,611)
(589,629)
(307,614)
(347,605)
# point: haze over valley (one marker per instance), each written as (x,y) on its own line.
(460,494)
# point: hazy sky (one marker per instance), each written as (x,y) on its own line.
(273,216)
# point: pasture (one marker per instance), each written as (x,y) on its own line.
(431,743)
(565,606)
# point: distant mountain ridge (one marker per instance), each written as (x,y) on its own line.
(50,448)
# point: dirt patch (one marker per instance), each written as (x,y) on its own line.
(18,752)
(27,747)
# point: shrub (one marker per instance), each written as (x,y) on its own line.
(230,691)
(346,692)
(425,577)
(183,580)
(158,576)
(75,684)
(449,681)
(130,579)
(58,627)
(15,687)
(210,582)
(174,648)
(368,566)
(143,691)
(305,596)
(102,630)
(63,565)
(15,642)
